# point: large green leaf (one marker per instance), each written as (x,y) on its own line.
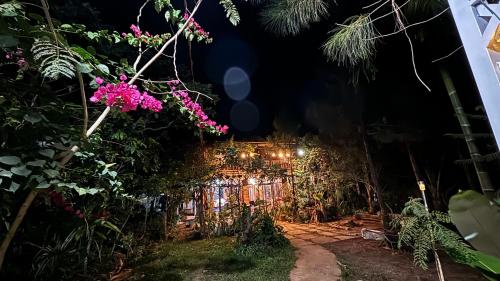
(487,262)
(47,152)
(10,160)
(36,163)
(11,9)
(13,187)
(5,173)
(51,173)
(21,171)
(8,41)
(478,220)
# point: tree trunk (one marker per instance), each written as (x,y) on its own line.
(484,178)
(375,180)
(369,189)
(15,225)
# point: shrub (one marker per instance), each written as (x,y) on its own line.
(259,234)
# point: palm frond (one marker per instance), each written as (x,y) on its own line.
(54,61)
(351,43)
(290,17)
(231,11)
(423,231)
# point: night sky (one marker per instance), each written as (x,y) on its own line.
(291,85)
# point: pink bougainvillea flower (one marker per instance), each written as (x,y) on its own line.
(136,30)
(124,96)
(99,80)
(195,109)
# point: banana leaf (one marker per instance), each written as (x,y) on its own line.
(478,221)
(488,265)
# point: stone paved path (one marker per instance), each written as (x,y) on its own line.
(315,262)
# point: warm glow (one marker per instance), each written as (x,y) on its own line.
(280,155)
(301,152)
(421,185)
(288,155)
(252,181)
(243,156)
(273,155)
(252,154)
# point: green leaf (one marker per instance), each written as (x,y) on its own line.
(113,174)
(487,262)
(51,173)
(37,163)
(66,26)
(11,9)
(176,13)
(13,187)
(5,173)
(92,35)
(10,160)
(21,171)
(82,52)
(8,41)
(167,15)
(33,117)
(103,68)
(84,68)
(477,220)
(43,185)
(49,153)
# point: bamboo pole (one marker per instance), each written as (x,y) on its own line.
(482,173)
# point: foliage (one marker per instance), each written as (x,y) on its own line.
(425,231)
(259,233)
(88,206)
(289,17)
(231,11)
(55,61)
(351,43)
(476,218)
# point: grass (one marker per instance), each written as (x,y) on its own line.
(213,259)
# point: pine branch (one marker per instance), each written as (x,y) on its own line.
(290,17)
(348,45)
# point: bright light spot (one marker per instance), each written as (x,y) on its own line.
(288,155)
(243,156)
(252,154)
(273,155)
(252,181)
(301,152)
(237,83)
(280,155)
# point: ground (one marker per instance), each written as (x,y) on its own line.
(327,251)
(212,259)
(361,259)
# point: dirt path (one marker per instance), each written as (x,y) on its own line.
(319,246)
(313,262)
